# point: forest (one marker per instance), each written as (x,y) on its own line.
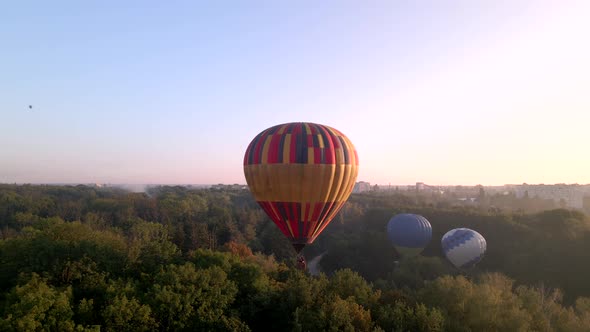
(174,258)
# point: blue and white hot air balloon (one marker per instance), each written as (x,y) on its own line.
(464,247)
(409,233)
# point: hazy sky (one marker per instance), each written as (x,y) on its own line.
(444,92)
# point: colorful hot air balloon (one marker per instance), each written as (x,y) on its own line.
(409,233)
(301,174)
(463,247)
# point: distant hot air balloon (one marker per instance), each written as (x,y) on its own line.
(464,247)
(301,174)
(409,233)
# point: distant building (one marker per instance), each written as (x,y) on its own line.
(361,186)
(234,186)
(572,195)
(421,186)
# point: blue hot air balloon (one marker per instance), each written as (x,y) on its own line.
(409,233)
(464,247)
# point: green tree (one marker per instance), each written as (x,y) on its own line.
(123,314)
(489,305)
(349,284)
(36,306)
(401,316)
(334,314)
(150,247)
(186,298)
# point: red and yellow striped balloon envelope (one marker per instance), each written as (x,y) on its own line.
(301,174)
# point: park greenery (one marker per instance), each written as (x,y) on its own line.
(173,258)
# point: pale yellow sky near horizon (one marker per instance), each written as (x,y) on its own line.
(524,98)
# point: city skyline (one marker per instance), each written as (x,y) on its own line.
(414,184)
(452,93)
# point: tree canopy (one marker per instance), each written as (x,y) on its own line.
(80,258)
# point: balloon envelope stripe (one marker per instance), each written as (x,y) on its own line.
(317,209)
(281,210)
(345,151)
(295,212)
(274,151)
(290,220)
(281,147)
(270,211)
(316,155)
(328,146)
(284,208)
(315,141)
(269,146)
(250,152)
(326,216)
(456,239)
(259,147)
(472,262)
(291,147)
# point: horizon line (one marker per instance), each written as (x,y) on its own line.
(245,184)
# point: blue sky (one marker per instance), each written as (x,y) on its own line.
(445,92)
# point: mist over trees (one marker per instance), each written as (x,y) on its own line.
(80,258)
